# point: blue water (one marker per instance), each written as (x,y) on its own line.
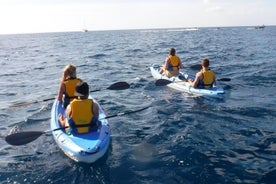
(181,138)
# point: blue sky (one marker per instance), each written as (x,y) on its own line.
(31,16)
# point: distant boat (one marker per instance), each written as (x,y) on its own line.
(85,30)
(260,27)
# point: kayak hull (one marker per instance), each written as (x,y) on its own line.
(213,91)
(86,148)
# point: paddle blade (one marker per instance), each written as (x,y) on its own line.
(162,82)
(22,138)
(128,112)
(224,79)
(119,86)
(196,67)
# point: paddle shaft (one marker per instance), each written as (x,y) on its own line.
(21,138)
(115,86)
(107,117)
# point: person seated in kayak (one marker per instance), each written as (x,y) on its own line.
(172,64)
(67,84)
(82,113)
(206,78)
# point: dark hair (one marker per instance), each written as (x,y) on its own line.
(82,88)
(172,51)
(205,62)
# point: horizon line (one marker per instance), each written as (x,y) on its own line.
(129,29)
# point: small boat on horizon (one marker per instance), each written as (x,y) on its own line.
(260,27)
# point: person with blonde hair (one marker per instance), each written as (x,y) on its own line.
(68,83)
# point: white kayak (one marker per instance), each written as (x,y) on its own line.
(87,147)
(174,83)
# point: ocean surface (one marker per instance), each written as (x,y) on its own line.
(181,138)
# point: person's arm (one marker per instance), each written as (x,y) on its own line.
(95,109)
(64,121)
(167,61)
(214,80)
(61,91)
(196,81)
(68,111)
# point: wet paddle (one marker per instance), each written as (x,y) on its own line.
(127,112)
(224,79)
(196,67)
(115,86)
(21,138)
(164,82)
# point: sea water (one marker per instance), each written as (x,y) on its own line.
(181,138)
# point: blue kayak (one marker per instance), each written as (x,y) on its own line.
(87,147)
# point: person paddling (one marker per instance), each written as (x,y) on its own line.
(82,113)
(172,64)
(206,78)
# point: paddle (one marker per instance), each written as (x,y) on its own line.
(224,79)
(196,67)
(115,86)
(164,82)
(21,138)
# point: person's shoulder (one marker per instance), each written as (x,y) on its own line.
(68,108)
(199,74)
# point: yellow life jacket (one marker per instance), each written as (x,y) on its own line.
(82,113)
(174,63)
(208,78)
(70,85)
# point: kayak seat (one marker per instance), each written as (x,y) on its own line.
(181,77)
